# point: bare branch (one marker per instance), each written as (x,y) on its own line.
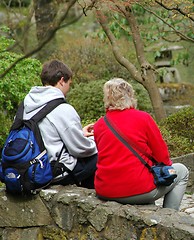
(139,48)
(175,9)
(29,54)
(119,57)
(85,8)
(183,36)
(56,26)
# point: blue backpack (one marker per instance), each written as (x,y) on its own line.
(25,167)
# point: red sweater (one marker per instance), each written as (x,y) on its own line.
(119,173)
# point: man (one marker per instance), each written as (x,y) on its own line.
(62,127)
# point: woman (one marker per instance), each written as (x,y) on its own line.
(120,175)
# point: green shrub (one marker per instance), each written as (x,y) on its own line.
(87,98)
(16,3)
(93,63)
(177,145)
(5,124)
(143,100)
(181,123)
(90,61)
(15,84)
(178,131)
(89,65)
(18,81)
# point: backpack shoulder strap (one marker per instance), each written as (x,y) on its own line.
(32,122)
(19,122)
(19,113)
(47,109)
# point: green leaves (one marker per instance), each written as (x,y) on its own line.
(5,42)
(18,80)
(15,85)
(87,98)
(178,131)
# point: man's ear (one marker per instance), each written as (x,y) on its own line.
(61,81)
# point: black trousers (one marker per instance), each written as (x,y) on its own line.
(83,173)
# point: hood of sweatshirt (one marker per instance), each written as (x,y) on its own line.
(39,96)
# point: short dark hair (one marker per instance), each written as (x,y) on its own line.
(53,71)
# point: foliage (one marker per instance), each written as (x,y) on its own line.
(157,21)
(161,25)
(18,81)
(181,123)
(93,64)
(177,145)
(166,20)
(143,100)
(87,98)
(15,84)
(5,124)
(89,63)
(178,131)
(4,40)
(90,60)
(15,3)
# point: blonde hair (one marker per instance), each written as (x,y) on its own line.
(118,95)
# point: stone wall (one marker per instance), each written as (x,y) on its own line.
(72,213)
(172,91)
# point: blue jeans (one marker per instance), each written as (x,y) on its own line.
(172,194)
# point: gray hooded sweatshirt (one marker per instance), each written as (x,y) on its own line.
(61,126)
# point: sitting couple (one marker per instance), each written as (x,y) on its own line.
(94,154)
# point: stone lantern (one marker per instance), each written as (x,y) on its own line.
(163,62)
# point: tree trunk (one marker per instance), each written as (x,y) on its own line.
(45,13)
(154,95)
(146,74)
